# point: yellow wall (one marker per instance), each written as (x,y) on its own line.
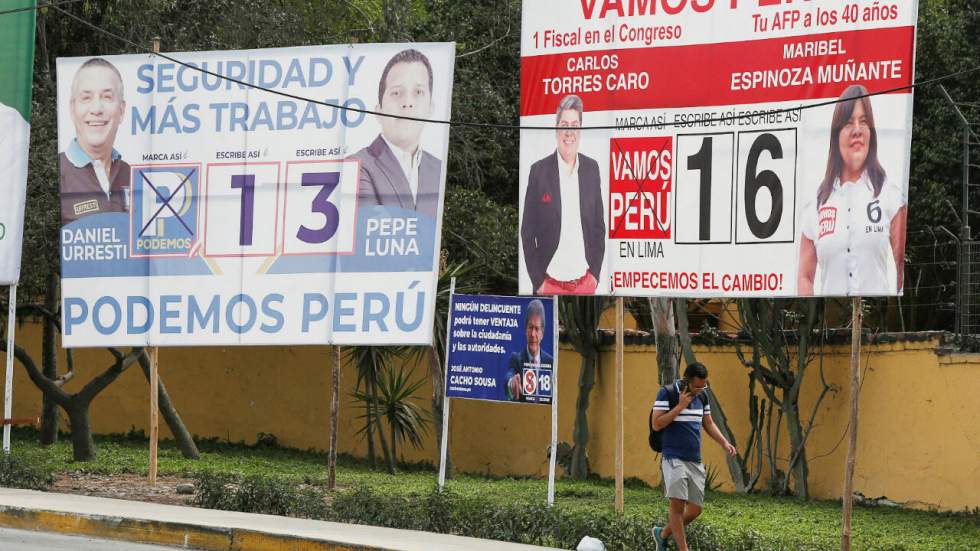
(919,432)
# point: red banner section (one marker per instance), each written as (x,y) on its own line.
(640,175)
(734,73)
(715,283)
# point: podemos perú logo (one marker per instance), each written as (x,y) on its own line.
(164,209)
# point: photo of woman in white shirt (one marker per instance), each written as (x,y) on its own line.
(854,231)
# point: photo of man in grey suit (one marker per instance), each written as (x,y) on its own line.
(395,170)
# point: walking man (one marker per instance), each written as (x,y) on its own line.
(681,409)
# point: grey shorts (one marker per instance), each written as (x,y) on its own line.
(684,480)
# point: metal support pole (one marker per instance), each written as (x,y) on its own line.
(964,268)
(554,404)
(444,445)
(966,177)
(8,398)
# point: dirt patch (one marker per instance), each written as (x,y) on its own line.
(123,486)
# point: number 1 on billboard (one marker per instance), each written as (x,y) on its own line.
(246,183)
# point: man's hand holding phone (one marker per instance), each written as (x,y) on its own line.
(685,398)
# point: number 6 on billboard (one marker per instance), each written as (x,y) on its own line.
(766,187)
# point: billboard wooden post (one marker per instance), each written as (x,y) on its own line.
(845,543)
(154,412)
(620,505)
(154,382)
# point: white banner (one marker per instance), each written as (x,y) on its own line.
(17,68)
(15,135)
(200,211)
(745,154)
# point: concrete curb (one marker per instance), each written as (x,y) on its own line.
(213,530)
(172,534)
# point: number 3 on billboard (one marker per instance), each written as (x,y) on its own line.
(328,182)
(320,207)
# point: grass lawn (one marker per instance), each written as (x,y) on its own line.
(745,518)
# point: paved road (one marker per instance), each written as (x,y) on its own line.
(21,540)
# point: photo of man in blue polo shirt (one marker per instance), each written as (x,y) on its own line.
(681,409)
(94,178)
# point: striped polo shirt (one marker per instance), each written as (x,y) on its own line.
(682,437)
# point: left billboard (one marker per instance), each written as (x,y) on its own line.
(17,68)
(197,210)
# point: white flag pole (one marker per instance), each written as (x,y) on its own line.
(8,401)
(444,445)
(554,404)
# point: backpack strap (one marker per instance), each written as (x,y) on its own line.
(672,399)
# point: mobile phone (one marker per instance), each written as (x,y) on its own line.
(682,385)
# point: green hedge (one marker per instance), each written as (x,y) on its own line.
(18,472)
(477,516)
(289,482)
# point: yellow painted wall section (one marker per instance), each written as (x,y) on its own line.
(917,444)
(919,434)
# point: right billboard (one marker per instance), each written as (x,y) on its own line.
(715,148)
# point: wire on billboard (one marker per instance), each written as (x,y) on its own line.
(492,125)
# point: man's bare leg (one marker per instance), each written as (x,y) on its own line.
(687,513)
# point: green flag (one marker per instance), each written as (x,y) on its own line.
(16,73)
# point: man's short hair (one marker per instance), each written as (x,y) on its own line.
(97,62)
(572,102)
(696,369)
(534,308)
(410,55)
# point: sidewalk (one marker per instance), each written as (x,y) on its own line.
(212,530)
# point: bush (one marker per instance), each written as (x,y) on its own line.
(472,515)
(259,494)
(15,472)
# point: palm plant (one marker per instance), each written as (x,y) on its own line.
(371,363)
(407,420)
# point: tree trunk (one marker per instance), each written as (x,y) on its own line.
(83,446)
(394,448)
(379,426)
(580,434)
(369,426)
(49,363)
(334,420)
(797,447)
(665,331)
(185,442)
